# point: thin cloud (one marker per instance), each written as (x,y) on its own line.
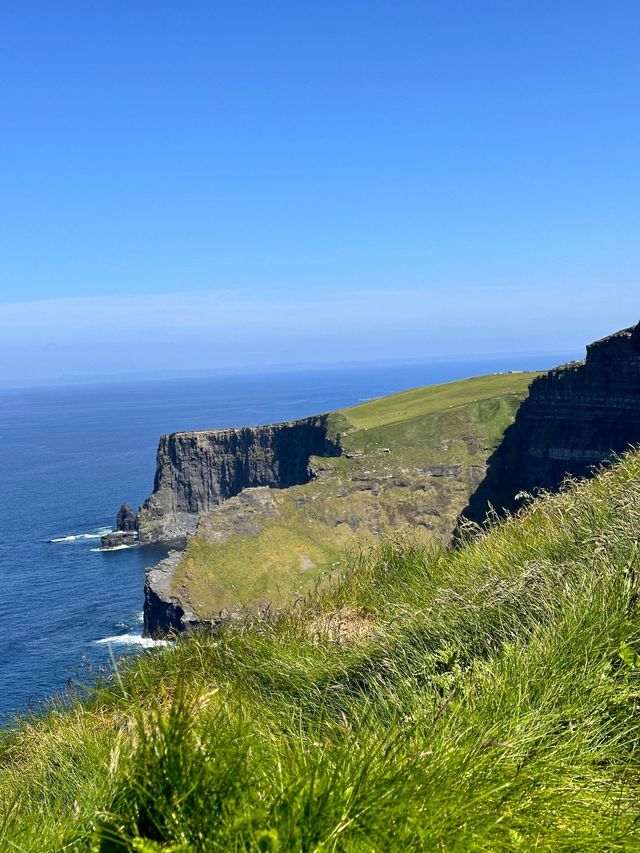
(226,329)
(74,319)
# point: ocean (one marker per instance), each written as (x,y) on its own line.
(73,454)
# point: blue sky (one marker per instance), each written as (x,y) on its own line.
(248,183)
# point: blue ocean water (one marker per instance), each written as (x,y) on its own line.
(72,455)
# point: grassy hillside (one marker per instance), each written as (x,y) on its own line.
(413,460)
(486,698)
(419,402)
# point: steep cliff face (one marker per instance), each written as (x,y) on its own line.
(575,417)
(164,613)
(196,471)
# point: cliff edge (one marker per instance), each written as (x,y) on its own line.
(575,417)
(196,471)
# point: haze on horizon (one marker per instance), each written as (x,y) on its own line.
(207,186)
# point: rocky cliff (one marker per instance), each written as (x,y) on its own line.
(574,418)
(164,614)
(196,471)
(268,512)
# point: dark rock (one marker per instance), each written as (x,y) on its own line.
(119,539)
(574,418)
(125,519)
(164,615)
(125,533)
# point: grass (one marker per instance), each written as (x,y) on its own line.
(419,402)
(385,485)
(483,698)
(289,553)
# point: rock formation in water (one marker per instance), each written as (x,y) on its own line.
(574,418)
(125,532)
(196,471)
(125,519)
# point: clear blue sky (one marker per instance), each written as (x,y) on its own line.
(244,183)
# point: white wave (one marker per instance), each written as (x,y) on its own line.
(133,640)
(76,537)
(115,548)
(140,616)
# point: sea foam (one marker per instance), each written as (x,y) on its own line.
(76,537)
(133,640)
(115,548)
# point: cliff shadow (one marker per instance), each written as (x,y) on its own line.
(293,448)
(498,489)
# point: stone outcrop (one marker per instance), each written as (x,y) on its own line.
(196,471)
(163,613)
(575,418)
(119,539)
(125,519)
(125,533)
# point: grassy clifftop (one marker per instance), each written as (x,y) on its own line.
(411,461)
(486,698)
(420,402)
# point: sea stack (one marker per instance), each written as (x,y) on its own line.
(125,533)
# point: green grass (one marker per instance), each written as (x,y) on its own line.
(485,698)
(419,402)
(457,424)
(456,435)
(285,560)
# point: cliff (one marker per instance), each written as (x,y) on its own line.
(164,614)
(574,418)
(196,471)
(268,512)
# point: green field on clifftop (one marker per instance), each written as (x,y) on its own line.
(411,461)
(419,402)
